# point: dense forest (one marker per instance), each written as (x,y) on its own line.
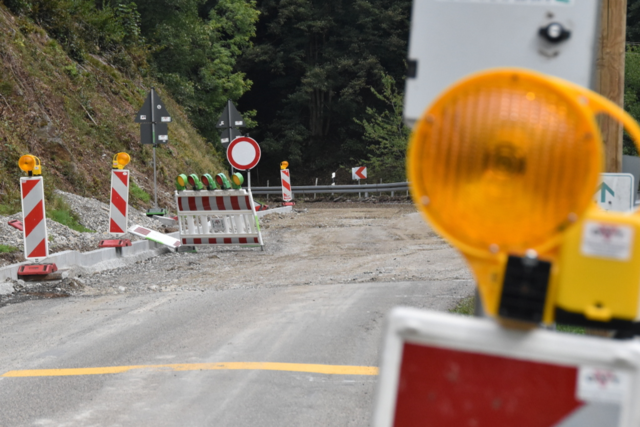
(319,82)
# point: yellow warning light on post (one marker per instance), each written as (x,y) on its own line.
(284,165)
(121,160)
(30,164)
(493,166)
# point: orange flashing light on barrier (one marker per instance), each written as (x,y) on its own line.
(120,160)
(502,164)
(30,164)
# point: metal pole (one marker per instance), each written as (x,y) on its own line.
(249,178)
(358,191)
(153,136)
(229,124)
(314,194)
(267,192)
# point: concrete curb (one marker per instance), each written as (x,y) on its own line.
(98,260)
(109,258)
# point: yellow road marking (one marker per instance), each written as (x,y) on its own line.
(260,366)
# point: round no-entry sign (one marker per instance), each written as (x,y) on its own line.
(243,153)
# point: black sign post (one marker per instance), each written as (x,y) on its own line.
(153,118)
(230,120)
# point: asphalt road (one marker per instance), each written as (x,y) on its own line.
(325,324)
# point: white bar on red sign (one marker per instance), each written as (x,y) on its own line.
(36,241)
(119,206)
(461,371)
(287,194)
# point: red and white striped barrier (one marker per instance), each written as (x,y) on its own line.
(218,217)
(287,195)
(36,242)
(119,205)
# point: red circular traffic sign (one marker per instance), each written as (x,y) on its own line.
(243,153)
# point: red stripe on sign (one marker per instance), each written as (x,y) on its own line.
(205,204)
(180,208)
(115,228)
(247,202)
(285,172)
(227,240)
(184,241)
(39,251)
(142,231)
(255,240)
(123,177)
(28,185)
(286,185)
(176,244)
(234,203)
(118,202)
(212,241)
(192,204)
(197,241)
(459,388)
(242,240)
(34,218)
(220,203)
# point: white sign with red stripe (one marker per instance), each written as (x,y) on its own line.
(155,236)
(119,206)
(359,173)
(36,241)
(287,194)
(219,217)
(462,371)
(243,153)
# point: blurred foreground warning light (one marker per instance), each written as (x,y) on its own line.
(503,161)
(30,164)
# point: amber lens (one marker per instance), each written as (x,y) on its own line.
(123,159)
(180,181)
(27,163)
(504,161)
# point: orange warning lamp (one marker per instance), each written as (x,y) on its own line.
(30,164)
(501,164)
(120,160)
(284,165)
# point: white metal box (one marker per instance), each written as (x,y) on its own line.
(453,38)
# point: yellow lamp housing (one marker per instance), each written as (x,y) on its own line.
(284,165)
(30,164)
(493,168)
(237,180)
(120,160)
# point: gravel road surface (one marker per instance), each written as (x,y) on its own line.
(317,295)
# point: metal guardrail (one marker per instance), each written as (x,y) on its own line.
(336,189)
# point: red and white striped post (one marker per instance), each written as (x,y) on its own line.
(287,194)
(119,205)
(36,242)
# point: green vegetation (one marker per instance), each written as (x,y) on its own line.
(60,212)
(137,193)
(465,307)
(6,249)
(579,330)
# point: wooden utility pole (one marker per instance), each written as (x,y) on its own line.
(610,76)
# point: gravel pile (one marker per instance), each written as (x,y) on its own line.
(92,214)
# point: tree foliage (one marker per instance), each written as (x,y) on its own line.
(313,64)
(388,134)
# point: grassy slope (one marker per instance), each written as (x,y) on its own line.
(75,118)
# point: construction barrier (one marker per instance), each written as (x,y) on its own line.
(285,176)
(36,242)
(119,205)
(218,217)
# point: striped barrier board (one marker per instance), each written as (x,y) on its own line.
(119,205)
(463,371)
(36,239)
(285,177)
(218,217)
(155,236)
